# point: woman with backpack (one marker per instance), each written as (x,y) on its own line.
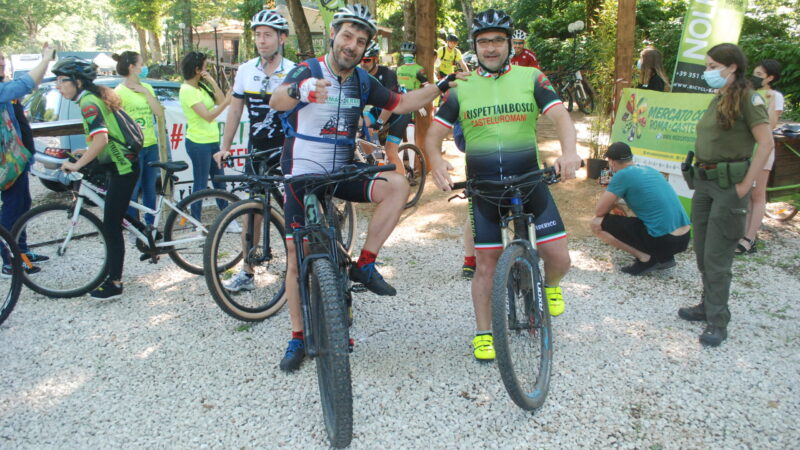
(140,102)
(202,101)
(98,104)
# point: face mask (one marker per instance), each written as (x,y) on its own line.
(408,58)
(714,78)
(639,64)
(758,82)
(144,72)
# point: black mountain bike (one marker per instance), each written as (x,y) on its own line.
(326,295)
(10,284)
(523,339)
(573,88)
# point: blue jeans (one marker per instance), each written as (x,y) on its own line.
(16,202)
(203,166)
(146,182)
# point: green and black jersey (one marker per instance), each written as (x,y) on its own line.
(98,118)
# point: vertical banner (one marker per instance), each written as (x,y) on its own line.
(327,8)
(707,23)
(660,128)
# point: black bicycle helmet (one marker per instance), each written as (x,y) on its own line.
(75,68)
(373,50)
(357,14)
(270,18)
(491,19)
(408,47)
(452,38)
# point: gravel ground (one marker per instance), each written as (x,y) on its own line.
(164,367)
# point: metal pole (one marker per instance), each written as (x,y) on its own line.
(216,52)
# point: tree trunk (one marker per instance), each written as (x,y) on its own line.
(469,12)
(372,5)
(592,13)
(142,36)
(302,29)
(409,21)
(155,46)
(626,24)
(426,48)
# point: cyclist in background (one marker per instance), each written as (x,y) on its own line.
(254,83)
(522,56)
(75,81)
(377,117)
(410,75)
(449,58)
(499,108)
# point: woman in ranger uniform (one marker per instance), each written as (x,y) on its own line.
(723,175)
(75,81)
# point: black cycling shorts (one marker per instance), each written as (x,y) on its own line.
(397,127)
(485,218)
(632,231)
(359,191)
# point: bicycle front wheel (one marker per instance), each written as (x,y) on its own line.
(523,339)
(416,171)
(78,251)
(188,237)
(330,335)
(11,282)
(584,97)
(223,250)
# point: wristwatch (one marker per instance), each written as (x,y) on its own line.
(294,91)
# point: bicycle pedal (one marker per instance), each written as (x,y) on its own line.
(358,288)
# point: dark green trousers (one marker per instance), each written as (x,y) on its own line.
(719,217)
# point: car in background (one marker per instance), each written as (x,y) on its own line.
(45,104)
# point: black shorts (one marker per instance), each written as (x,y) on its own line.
(359,191)
(632,231)
(485,218)
(397,127)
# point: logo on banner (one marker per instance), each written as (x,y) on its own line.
(634,117)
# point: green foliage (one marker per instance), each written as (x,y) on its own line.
(22,20)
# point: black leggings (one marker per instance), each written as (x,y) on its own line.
(118,195)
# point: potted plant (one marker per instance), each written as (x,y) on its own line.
(598,143)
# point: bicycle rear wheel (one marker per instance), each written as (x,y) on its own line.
(11,283)
(223,250)
(416,171)
(329,325)
(521,327)
(584,97)
(78,251)
(347,221)
(188,239)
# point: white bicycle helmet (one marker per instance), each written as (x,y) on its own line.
(357,14)
(269,18)
(519,35)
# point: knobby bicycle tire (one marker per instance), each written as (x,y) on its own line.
(329,324)
(347,221)
(416,169)
(521,327)
(11,286)
(267,296)
(189,256)
(73,269)
(584,97)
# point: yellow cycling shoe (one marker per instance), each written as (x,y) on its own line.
(555,300)
(483,347)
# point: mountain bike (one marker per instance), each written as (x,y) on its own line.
(326,295)
(414,164)
(523,338)
(573,89)
(74,238)
(10,284)
(262,248)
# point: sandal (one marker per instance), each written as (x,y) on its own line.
(750,247)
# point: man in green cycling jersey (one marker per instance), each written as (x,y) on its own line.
(498,107)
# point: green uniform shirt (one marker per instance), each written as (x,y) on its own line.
(715,144)
(135,104)
(200,131)
(407,76)
(97,118)
(448,59)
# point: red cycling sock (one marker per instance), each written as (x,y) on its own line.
(366,257)
(297,335)
(469,261)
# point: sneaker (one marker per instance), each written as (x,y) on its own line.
(713,336)
(242,281)
(555,300)
(107,290)
(34,257)
(295,352)
(467,271)
(371,279)
(233,227)
(483,347)
(696,313)
(640,268)
(6,273)
(666,264)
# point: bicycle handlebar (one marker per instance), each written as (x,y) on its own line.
(548,175)
(347,172)
(248,178)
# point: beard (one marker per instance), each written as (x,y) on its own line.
(269,56)
(340,56)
